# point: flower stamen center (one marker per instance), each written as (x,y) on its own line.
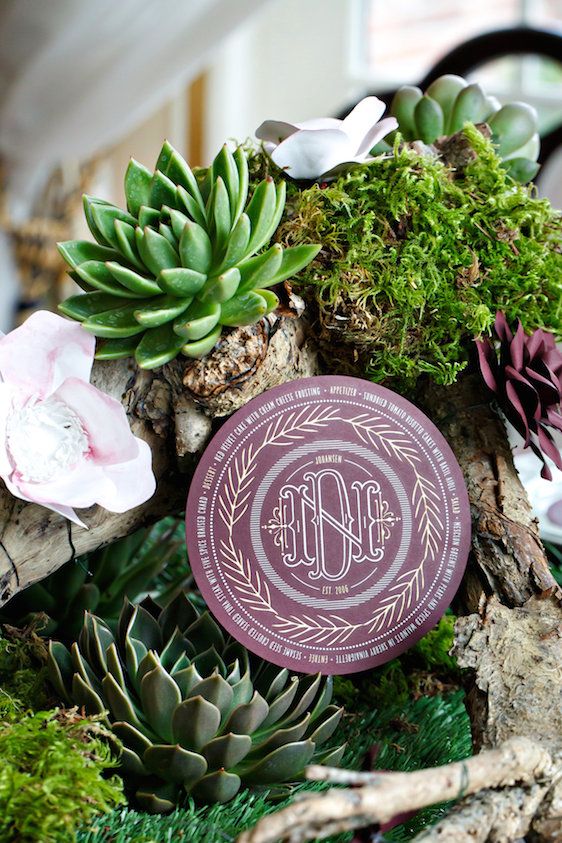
(44,439)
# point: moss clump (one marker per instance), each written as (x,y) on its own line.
(416,260)
(53,764)
(22,673)
(51,782)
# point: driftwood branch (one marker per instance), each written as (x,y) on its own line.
(173,409)
(382,796)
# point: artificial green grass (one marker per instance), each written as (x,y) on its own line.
(416,260)
(424,732)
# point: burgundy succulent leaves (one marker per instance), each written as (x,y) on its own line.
(524,372)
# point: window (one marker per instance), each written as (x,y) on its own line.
(397,43)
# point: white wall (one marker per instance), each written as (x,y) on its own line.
(290,62)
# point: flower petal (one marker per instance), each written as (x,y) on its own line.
(6,403)
(526,391)
(104,420)
(517,348)
(488,363)
(501,327)
(516,413)
(376,134)
(547,387)
(275,131)
(548,446)
(65,511)
(81,487)
(321,123)
(132,483)
(44,351)
(546,473)
(362,118)
(553,418)
(309,154)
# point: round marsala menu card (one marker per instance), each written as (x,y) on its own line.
(328,525)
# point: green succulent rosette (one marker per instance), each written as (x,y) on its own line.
(450,102)
(194,712)
(189,257)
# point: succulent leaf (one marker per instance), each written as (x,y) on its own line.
(219,786)
(98,276)
(116,349)
(444,91)
(284,762)
(200,348)
(198,320)
(243,309)
(175,764)
(196,249)
(513,126)
(76,252)
(132,281)
(138,181)
(403,107)
(428,115)
(90,304)
(471,106)
(195,722)
(105,216)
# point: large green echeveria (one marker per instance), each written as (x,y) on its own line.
(450,102)
(183,262)
(196,715)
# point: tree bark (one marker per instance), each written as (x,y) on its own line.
(174,410)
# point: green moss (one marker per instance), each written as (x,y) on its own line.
(434,647)
(22,674)
(415,262)
(51,777)
(53,764)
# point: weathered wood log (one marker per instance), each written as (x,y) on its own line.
(173,409)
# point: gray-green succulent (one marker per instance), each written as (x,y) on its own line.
(187,259)
(98,582)
(194,712)
(450,102)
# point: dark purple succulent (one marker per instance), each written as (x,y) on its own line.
(525,375)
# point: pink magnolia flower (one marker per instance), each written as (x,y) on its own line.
(64,443)
(318,148)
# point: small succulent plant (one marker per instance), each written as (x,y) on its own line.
(97,582)
(194,713)
(524,371)
(450,102)
(183,262)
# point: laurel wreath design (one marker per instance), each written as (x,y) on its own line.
(328,629)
